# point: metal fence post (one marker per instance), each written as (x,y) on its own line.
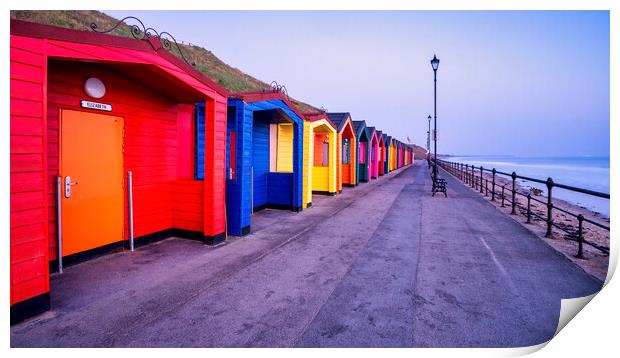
(59,223)
(466,174)
(549,207)
(473,173)
(529,208)
(580,233)
(493,186)
(130,207)
(502,196)
(514,193)
(481,191)
(474,180)
(486,187)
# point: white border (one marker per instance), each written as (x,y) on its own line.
(591,333)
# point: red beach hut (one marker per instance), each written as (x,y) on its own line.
(87,109)
(374,153)
(381,137)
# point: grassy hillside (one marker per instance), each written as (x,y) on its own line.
(205,61)
(419,152)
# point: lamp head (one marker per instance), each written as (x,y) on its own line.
(435,62)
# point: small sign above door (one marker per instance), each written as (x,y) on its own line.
(96,105)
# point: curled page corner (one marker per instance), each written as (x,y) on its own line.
(569,309)
(523,351)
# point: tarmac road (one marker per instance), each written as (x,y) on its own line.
(380,265)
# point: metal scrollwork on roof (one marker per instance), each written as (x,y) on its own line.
(278,87)
(141,32)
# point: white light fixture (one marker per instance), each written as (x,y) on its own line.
(94,88)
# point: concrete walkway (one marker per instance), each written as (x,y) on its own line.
(381,265)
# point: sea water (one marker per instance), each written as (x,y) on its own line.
(582,172)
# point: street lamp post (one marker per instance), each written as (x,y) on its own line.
(435,65)
(428,142)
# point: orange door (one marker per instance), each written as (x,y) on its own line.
(91,169)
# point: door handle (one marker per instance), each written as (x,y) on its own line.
(68,184)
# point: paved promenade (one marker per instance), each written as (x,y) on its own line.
(381,265)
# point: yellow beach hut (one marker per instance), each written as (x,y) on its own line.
(319,169)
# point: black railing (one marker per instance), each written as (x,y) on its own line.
(474,177)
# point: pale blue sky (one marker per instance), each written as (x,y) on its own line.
(514,82)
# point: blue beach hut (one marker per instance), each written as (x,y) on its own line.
(264,148)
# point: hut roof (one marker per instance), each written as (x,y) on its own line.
(371,131)
(339,119)
(359,125)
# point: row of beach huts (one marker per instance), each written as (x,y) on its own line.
(112,138)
